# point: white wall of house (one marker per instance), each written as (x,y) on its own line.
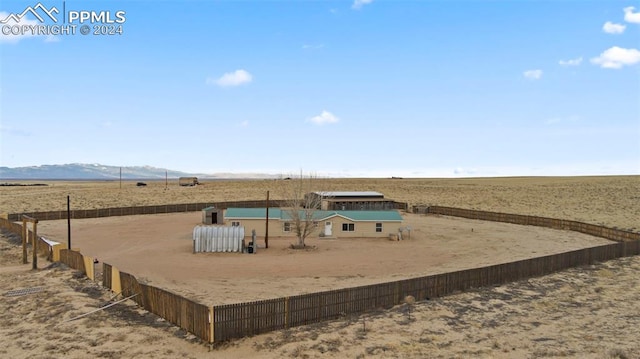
(340,227)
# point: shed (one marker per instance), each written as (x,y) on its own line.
(212,215)
(218,239)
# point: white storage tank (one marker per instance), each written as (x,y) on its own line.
(217,239)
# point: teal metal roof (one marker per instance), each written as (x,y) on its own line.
(371,215)
(252,213)
(356,216)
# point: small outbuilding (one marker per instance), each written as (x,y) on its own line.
(188,181)
(351,201)
(212,215)
(218,239)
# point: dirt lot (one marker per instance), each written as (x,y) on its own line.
(158,249)
(609,200)
(588,312)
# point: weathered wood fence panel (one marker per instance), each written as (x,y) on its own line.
(73,259)
(106,275)
(245,319)
(185,313)
(154,209)
(11,226)
(586,228)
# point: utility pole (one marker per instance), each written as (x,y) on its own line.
(68,222)
(266,230)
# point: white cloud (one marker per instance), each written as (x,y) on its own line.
(358,4)
(616,57)
(14,131)
(533,74)
(324,118)
(611,28)
(571,62)
(630,16)
(312,47)
(235,78)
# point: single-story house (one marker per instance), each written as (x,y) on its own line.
(336,224)
(350,200)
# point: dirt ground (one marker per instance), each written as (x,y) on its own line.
(587,312)
(158,249)
(606,200)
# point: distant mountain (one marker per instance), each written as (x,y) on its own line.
(82,171)
(87,172)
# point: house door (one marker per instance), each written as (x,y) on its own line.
(327,229)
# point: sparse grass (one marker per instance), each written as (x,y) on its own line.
(605,273)
(119,337)
(292,337)
(541,196)
(618,354)
(299,352)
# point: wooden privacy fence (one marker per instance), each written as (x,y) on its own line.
(245,319)
(586,228)
(158,209)
(224,322)
(130,211)
(78,261)
(185,313)
(45,248)
(11,225)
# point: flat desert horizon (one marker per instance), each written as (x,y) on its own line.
(583,312)
(604,200)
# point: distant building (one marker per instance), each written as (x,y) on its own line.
(340,224)
(352,201)
(188,181)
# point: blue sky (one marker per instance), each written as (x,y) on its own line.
(340,88)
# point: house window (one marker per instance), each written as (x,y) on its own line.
(348,227)
(378,227)
(235,224)
(286,226)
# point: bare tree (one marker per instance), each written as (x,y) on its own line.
(299,206)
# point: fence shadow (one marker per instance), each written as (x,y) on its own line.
(223,322)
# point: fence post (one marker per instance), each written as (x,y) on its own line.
(286,313)
(212,336)
(34,243)
(25,236)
